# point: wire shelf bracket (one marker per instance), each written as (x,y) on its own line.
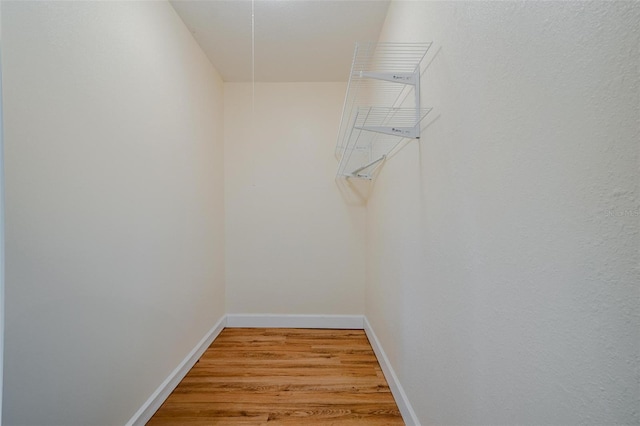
(386,75)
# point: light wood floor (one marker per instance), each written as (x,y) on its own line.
(257,376)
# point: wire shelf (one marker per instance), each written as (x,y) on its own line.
(380,116)
(376,133)
(384,77)
(388,57)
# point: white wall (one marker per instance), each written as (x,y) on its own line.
(503,248)
(114,206)
(293,245)
(1,228)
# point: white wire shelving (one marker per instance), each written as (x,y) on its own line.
(384,78)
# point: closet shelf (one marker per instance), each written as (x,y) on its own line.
(376,133)
(384,78)
(401,122)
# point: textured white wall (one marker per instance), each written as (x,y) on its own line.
(1,228)
(503,248)
(114,207)
(293,244)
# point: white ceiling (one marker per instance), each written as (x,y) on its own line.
(295,40)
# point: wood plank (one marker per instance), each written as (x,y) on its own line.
(267,380)
(283,377)
(256,409)
(341,370)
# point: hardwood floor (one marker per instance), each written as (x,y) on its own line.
(279,376)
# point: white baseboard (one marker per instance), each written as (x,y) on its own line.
(148,409)
(295,321)
(408,415)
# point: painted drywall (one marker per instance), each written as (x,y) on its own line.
(1,228)
(114,206)
(304,41)
(293,245)
(503,248)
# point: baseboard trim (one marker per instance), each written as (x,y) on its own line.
(408,415)
(296,321)
(148,409)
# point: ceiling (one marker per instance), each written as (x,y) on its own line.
(295,40)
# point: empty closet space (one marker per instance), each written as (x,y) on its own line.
(283,377)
